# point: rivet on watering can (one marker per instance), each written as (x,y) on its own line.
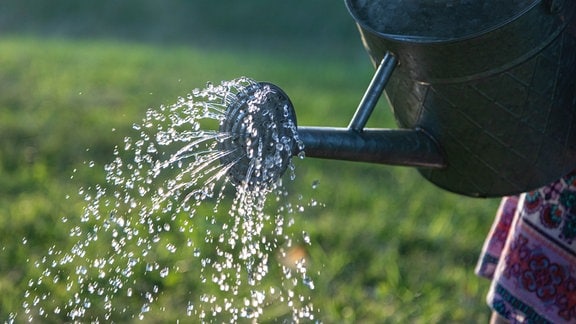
(554,6)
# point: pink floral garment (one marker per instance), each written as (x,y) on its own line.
(530,255)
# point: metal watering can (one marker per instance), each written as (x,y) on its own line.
(483,92)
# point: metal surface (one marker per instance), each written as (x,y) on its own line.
(373,93)
(496,89)
(261,119)
(408,147)
(260,128)
(478,52)
(484,93)
(435,20)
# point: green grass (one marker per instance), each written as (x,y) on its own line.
(387,247)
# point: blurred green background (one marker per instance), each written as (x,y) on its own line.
(75,75)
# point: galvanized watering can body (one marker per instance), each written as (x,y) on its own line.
(493,83)
(484,93)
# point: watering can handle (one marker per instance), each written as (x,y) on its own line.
(373,92)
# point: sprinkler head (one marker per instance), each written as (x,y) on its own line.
(259,135)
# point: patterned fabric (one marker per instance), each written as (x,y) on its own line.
(530,255)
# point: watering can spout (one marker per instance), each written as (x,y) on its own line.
(402,147)
(405,147)
(261,125)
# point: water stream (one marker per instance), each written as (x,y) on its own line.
(169,215)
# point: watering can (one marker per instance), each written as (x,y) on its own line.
(483,93)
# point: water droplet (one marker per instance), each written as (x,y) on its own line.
(171,247)
(306,238)
(315,184)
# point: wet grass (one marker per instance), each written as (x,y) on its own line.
(387,247)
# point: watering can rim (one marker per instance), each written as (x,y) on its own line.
(430,39)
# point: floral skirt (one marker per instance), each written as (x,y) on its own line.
(530,255)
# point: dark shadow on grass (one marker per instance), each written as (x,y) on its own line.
(321,27)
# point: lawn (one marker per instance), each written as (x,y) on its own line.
(387,246)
